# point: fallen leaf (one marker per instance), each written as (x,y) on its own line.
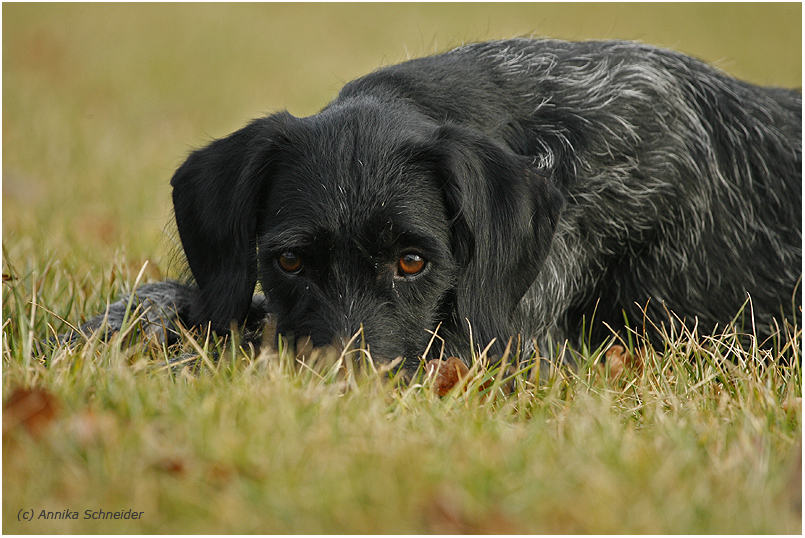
(447,374)
(620,360)
(175,466)
(32,408)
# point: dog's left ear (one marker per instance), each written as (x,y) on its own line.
(217,196)
(504,214)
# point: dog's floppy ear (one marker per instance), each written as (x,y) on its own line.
(217,196)
(504,214)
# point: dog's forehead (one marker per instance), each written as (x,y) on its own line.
(351,176)
(358,153)
(352,197)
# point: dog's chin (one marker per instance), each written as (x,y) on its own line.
(383,355)
(380,339)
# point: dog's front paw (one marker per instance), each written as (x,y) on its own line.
(154,310)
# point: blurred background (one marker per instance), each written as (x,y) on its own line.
(101,102)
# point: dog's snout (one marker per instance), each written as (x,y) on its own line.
(348,341)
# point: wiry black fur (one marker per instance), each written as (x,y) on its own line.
(543,181)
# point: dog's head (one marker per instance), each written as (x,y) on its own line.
(367,215)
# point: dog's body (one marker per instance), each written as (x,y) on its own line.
(522,188)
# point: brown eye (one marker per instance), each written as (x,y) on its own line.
(410,265)
(290,262)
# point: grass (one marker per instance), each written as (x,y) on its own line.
(100,103)
(704,438)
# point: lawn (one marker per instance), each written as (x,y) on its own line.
(101,102)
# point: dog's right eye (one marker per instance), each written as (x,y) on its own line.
(290,263)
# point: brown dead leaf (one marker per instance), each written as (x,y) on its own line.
(171,465)
(447,374)
(31,408)
(620,359)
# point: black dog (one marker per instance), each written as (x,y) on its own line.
(524,188)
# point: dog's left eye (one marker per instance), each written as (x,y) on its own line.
(410,265)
